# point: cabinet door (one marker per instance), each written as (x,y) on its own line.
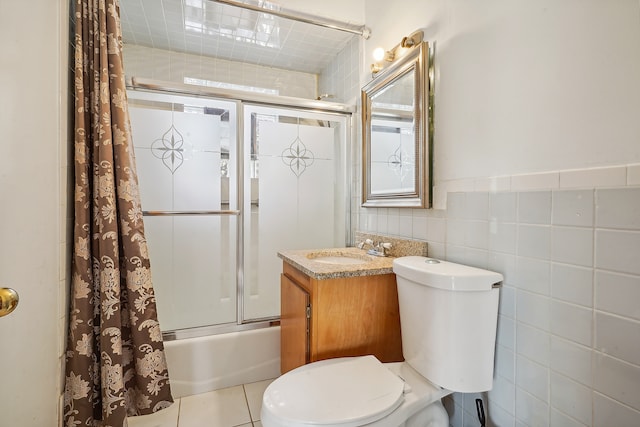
(294,325)
(356,316)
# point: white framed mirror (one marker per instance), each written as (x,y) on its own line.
(395,132)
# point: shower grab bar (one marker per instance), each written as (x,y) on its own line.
(177,213)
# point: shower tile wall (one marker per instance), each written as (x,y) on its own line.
(568,344)
(341,78)
(165,65)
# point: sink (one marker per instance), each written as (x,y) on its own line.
(338,257)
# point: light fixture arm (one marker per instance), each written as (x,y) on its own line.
(412,39)
(408,42)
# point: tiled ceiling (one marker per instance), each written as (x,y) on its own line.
(204,27)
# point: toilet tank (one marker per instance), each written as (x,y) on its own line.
(448,317)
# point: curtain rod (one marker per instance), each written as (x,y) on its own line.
(360,30)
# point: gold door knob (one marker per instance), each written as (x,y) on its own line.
(8,301)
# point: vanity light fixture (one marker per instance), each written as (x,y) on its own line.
(379,54)
(383,58)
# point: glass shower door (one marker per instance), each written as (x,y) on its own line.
(295,173)
(186,158)
(221,199)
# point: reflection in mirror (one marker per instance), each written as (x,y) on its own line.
(393,157)
(395,126)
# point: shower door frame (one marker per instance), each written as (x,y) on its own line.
(242,98)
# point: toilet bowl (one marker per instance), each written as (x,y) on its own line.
(448,315)
(352,391)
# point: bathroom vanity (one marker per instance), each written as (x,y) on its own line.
(337,303)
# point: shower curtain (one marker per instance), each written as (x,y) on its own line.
(115,363)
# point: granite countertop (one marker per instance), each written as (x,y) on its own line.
(304,261)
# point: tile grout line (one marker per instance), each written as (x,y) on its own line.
(179,402)
(246,401)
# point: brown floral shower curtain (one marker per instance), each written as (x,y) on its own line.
(115,363)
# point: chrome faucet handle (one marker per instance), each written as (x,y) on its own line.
(379,249)
(365,242)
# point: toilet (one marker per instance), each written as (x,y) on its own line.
(448,317)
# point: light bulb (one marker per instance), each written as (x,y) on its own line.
(378,54)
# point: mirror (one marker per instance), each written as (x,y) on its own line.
(395,133)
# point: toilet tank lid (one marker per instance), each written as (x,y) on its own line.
(445,275)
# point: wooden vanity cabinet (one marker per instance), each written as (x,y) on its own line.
(327,318)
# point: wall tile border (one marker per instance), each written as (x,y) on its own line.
(588,178)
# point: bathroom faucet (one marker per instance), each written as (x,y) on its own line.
(376,249)
(380,249)
(365,242)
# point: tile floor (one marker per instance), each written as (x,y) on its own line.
(228,407)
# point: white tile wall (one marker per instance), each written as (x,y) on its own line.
(535,181)
(633,175)
(341,79)
(572,284)
(617,379)
(571,360)
(568,342)
(625,257)
(594,177)
(505,373)
(506,332)
(503,206)
(455,231)
(572,245)
(498,416)
(533,343)
(534,241)
(573,207)
(572,322)
(534,207)
(607,412)
(533,378)
(618,337)
(571,398)
(507,306)
(618,208)
(165,65)
(476,206)
(617,294)
(492,184)
(502,237)
(558,419)
(531,409)
(533,275)
(533,309)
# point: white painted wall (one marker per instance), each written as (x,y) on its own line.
(525,87)
(33,117)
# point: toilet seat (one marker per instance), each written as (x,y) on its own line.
(344,392)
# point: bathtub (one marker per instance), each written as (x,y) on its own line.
(199,365)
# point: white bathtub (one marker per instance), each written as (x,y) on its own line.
(198,365)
